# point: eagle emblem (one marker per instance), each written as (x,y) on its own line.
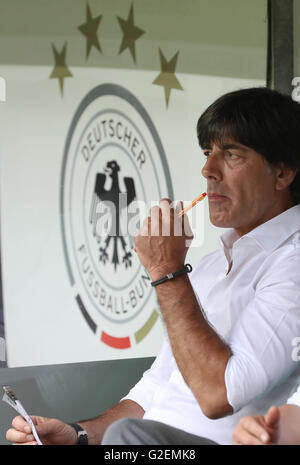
(115,201)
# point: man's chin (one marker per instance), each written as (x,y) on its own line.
(220,222)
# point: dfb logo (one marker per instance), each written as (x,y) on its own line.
(113,165)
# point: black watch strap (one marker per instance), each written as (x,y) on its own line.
(186,269)
(81,434)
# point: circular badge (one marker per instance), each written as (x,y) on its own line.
(114,166)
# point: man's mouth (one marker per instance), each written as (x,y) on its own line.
(213,196)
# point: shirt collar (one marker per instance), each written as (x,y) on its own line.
(227,239)
(270,234)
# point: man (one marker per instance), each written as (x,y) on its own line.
(230,324)
(279,426)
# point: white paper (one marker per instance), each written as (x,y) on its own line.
(16,404)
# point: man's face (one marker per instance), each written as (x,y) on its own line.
(241,187)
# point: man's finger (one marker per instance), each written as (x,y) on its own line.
(272,416)
(145,229)
(187,227)
(165,201)
(20,424)
(166,207)
(178,207)
(247,439)
(254,428)
(32,443)
(13,435)
(155,217)
(167,217)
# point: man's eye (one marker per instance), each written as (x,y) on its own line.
(232,156)
(206,153)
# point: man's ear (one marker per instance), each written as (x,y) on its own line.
(284,176)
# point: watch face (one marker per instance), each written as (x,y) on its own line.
(82,437)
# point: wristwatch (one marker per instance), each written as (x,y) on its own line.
(81,434)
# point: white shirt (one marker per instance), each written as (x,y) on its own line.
(255,308)
(295,398)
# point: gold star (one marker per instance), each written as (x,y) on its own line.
(167,78)
(89,30)
(130,33)
(60,71)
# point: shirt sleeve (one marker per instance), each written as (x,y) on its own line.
(295,398)
(158,373)
(262,337)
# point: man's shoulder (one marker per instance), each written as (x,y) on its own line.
(287,253)
(281,266)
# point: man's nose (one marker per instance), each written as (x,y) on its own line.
(212,167)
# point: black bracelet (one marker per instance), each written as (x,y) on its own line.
(186,269)
(82,437)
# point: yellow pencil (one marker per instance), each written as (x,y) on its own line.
(192,204)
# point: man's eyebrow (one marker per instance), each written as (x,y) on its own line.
(233,146)
(239,147)
(226,147)
(206,147)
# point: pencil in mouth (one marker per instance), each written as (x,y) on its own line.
(192,204)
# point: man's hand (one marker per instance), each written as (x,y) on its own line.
(50,431)
(258,429)
(162,242)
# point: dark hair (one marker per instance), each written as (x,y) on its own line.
(260,118)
